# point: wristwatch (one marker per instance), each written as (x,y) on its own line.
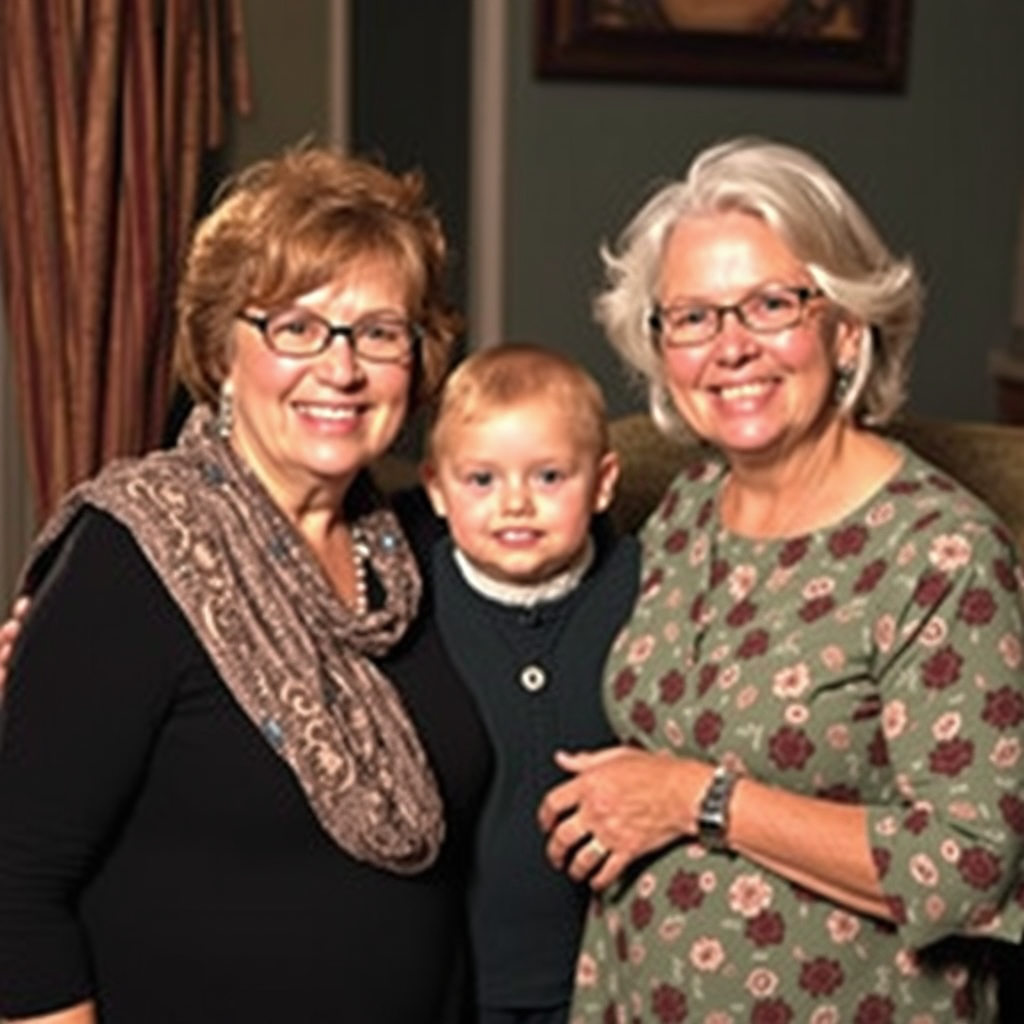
(713,813)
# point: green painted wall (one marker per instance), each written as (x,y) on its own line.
(411,100)
(940,167)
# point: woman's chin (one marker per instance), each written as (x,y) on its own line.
(751,442)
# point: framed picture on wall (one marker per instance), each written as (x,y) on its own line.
(841,44)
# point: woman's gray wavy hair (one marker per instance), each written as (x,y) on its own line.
(822,225)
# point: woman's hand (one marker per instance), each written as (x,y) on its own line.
(621,803)
(8,632)
(81,1013)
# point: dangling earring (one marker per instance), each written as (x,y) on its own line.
(842,384)
(225,411)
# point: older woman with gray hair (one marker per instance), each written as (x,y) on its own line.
(816,811)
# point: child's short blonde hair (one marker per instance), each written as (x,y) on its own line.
(493,379)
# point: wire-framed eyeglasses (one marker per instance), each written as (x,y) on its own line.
(302,334)
(765,311)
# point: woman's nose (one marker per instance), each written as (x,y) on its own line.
(339,362)
(735,342)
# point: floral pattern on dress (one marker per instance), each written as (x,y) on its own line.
(876,662)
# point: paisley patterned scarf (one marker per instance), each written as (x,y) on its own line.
(295,657)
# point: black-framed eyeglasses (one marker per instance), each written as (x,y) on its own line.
(302,334)
(765,311)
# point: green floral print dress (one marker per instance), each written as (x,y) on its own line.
(876,662)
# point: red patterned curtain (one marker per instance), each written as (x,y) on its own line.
(107,108)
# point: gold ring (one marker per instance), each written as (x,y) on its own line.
(599,850)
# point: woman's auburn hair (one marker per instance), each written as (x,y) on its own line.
(293,223)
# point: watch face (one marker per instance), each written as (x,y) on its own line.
(712,821)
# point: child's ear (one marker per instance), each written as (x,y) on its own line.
(608,470)
(428,477)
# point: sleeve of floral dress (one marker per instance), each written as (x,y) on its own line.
(949,648)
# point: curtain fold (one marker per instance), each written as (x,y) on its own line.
(108,108)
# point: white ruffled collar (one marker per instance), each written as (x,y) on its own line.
(526,595)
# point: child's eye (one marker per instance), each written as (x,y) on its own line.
(550,476)
(480,478)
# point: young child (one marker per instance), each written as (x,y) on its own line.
(530,592)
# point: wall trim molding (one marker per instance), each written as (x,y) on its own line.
(486,265)
(339,46)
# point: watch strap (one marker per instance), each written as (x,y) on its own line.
(713,812)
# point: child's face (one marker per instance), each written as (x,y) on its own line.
(518,489)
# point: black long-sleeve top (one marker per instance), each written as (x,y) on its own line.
(158,856)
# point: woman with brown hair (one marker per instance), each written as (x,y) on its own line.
(238,772)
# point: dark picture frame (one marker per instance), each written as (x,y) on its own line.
(865,45)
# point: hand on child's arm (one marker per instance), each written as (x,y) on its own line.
(619,804)
(8,631)
(80,1013)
